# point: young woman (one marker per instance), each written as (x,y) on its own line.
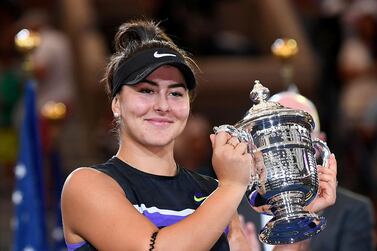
(140,199)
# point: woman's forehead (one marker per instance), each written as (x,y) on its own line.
(166,72)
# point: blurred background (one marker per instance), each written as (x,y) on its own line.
(333,62)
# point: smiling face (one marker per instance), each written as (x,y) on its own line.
(153,112)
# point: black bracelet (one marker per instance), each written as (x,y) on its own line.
(153,240)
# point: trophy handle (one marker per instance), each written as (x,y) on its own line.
(323,149)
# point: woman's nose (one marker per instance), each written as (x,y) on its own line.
(161,103)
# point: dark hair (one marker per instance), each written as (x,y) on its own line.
(135,36)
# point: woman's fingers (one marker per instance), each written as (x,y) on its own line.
(227,140)
(219,139)
(327,193)
(259,162)
(233,141)
(333,164)
(240,147)
(263,209)
(324,174)
(327,186)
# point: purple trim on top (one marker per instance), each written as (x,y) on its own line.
(226,231)
(252,198)
(74,246)
(161,220)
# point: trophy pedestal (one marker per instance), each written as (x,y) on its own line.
(291,223)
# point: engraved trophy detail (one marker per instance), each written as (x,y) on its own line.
(290,182)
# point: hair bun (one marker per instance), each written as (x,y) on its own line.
(135,33)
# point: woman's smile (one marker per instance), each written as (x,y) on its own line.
(160,122)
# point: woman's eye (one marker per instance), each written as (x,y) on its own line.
(176,94)
(146,90)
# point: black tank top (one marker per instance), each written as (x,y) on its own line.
(163,200)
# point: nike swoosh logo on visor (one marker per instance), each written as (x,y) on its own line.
(199,199)
(160,55)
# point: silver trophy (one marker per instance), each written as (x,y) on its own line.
(289,180)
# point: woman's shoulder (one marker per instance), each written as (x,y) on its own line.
(83,175)
(86,175)
(87,180)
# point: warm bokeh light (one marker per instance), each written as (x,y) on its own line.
(284,48)
(27,40)
(54,110)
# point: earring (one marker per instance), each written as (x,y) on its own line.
(116,115)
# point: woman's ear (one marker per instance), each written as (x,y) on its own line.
(115,106)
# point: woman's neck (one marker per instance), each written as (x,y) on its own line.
(157,160)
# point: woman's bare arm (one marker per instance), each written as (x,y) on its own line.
(95,209)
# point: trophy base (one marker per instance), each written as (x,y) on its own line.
(291,223)
(291,229)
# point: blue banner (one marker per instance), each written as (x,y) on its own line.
(28,197)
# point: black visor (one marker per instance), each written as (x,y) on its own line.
(143,63)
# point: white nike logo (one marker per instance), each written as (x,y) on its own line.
(160,55)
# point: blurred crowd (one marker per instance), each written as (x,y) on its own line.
(344,36)
(68,66)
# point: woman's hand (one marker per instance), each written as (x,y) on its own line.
(231,160)
(327,187)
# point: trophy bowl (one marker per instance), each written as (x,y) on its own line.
(290,179)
